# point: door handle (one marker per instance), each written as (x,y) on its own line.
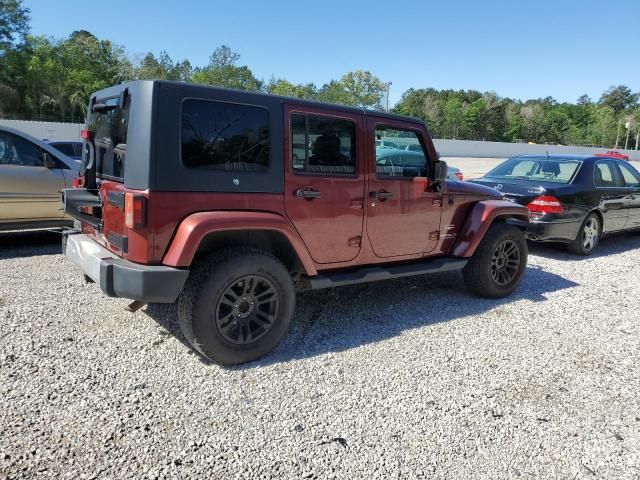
(381,195)
(307,193)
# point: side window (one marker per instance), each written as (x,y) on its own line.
(323,145)
(630,175)
(225,136)
(605,175)
(18,151)
(66,148)
(8,153)
(399,154)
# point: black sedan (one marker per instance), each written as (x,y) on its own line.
(571,199)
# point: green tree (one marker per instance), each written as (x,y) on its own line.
(163,68)
(619,98)
(358,88)
(223,71)
(287,89)
(14,22)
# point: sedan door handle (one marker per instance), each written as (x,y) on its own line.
(307,193)
(381,194)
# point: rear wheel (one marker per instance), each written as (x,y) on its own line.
(497,266)
(588,236)
(237,305)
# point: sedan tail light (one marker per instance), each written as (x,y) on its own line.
(459,176)
(545,204)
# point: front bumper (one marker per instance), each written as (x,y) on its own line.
(118,277)
(552,231)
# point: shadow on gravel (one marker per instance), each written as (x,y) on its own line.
(609,245)
(27,243)
(342,318)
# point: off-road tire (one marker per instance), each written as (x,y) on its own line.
(199,302)
(478,271)
(577,246)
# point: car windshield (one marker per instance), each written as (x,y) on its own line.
(556,170)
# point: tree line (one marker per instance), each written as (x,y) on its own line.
(44,78)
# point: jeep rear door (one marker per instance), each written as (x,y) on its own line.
(324,181)
(403,212)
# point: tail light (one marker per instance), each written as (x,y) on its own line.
(86,134)
(135,210)
(459,175)
(545,204)
(78,182)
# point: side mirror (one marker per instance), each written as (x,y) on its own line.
(48,161)
(440,171)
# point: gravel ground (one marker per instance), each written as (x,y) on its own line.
(412,378)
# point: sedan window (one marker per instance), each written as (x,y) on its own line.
(605,175)
(17,151)
(630,175)
(556,170)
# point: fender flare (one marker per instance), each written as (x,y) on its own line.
(195,227)
(480,218)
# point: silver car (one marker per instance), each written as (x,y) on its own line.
(32,173)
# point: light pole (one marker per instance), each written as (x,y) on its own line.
(627,125)
(637,138)
(388,85)
(618,134)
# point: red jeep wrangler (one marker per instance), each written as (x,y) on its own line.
(229,201)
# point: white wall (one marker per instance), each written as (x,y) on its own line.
(49,130)
(465,148)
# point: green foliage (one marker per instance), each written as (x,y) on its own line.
(163,68)
(619,98)
(287,89)
(14,22)
(223,71)
(477,116)
(51,79)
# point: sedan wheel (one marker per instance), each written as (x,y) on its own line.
(588,236)
(590,233)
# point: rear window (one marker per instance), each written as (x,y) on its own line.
(555,170)
(224,136)
(109,127)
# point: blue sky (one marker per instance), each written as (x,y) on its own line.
(546,48)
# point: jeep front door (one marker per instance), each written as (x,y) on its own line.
(403,213)
(324,186)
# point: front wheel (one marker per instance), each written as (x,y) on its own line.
(497,266)
(588,236)
(237,305)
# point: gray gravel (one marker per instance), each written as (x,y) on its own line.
(411,378)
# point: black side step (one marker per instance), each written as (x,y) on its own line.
(373,274)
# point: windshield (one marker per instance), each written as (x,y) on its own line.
(556,170)
(109,131)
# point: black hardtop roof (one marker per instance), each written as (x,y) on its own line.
(257,96)
(558,156)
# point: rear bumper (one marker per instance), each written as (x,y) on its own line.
(552,231)
(118,277)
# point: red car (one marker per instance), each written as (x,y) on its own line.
(613,154)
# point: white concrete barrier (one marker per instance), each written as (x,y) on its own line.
(47,130)
(467,148)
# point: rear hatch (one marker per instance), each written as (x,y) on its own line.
(100,204)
